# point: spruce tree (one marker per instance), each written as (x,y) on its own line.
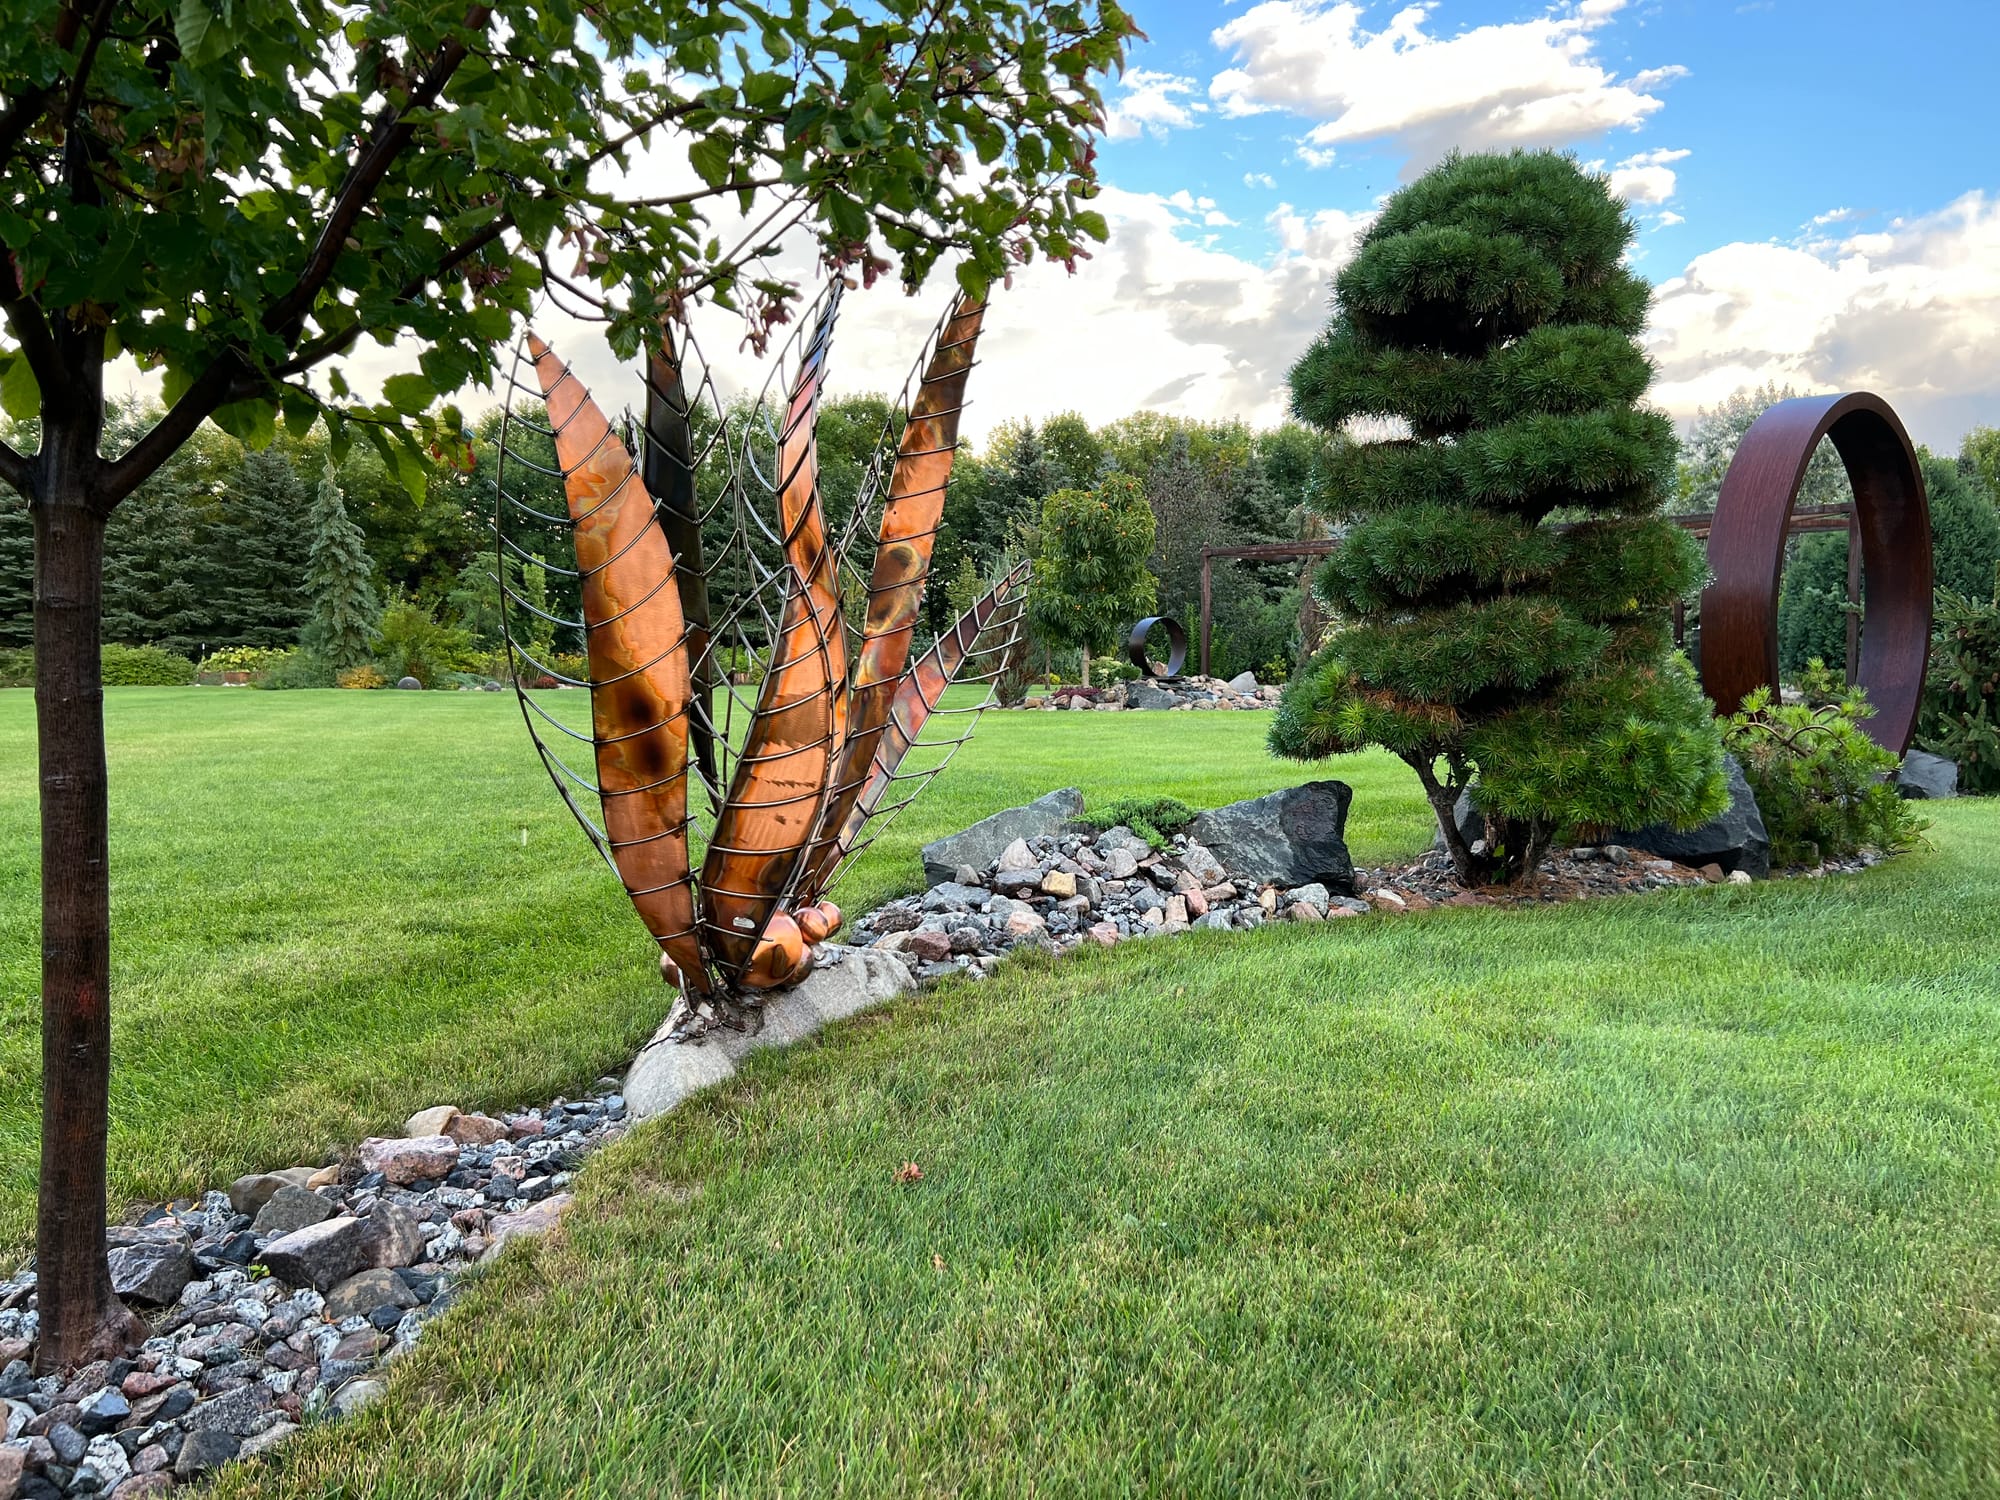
(340,588)
(249,568)
(1489,311)
(17,571)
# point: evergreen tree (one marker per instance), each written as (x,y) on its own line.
(249,569)
(1489,309)
(340,589)
(17,571)
(1090,571)
(1188,508)
(1711,447)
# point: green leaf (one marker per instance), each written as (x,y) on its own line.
(20,392)
(252,423)
(710,157)
(410,393)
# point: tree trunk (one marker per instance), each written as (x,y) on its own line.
(81,1319)
(1086,666)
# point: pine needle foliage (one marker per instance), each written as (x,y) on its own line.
(1489,313)
(340,589)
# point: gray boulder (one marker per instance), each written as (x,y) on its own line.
(321,1255)
(291,1208)
(1736,840)
(981,844)
(1925,777)
(1243,682)
(153,1272)
(1145,695)
(1292,837)
(409,684)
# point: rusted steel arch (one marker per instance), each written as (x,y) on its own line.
(1135,649)
(1746,552)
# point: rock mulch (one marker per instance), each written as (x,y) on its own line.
(280,1299)
(1182,694)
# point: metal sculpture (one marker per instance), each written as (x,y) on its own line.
(704,564)
(1746,552)
(1135,649)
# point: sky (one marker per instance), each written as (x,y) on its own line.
(1814,183)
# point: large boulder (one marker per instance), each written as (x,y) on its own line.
(1926,777)
(981,844)
(1736,840)
(1243,682)
(1293,837)
(1146,695)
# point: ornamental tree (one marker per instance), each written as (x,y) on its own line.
(233,195)
(1091,579)
(1489,313)
(342,609)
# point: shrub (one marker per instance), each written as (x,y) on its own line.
(1154,819)
(364,676)
(412,642)
(1960,717)
(1820,781)
(244,659)
(17,667)
(297,668)
(146,666)
(1489,312)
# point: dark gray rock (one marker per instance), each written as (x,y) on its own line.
(1736,840)
(1145,695)
(152,1273)
(360,1295)
(1925,777)
(980,845)
(290,1209)
(234,1412)
(1293,837)
(394,1237)
(208,1448)
(409,684)
(68,1443)
(248,1194)
(102,1409)
(320,1255)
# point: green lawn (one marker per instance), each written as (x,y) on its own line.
(1693,1194)
(332,909)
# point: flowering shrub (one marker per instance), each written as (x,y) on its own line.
(363,676)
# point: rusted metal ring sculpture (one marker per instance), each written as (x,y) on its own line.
(1135,649)
(1746,552)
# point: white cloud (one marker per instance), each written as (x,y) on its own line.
(1667,218)
(1645,178)
(1523,83)
(1153,103)
(1259,180)
(1912,314)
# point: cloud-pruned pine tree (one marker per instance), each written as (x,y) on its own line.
(1488,309)
(342,608)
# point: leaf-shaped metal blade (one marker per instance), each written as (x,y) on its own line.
(636,639)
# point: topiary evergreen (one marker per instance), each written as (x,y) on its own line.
(1489,310)
(340,590)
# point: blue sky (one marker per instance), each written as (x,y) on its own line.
(1815,184)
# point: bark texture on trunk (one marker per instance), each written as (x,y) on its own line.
(81,1319)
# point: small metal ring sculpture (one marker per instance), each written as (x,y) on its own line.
(1135,649)
(1746,551)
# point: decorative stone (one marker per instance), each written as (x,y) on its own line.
(13,1469)
(320,1255)
(203,1450)
(930,947)
(409,684)
(357,1394)
(431,1121)
(851,980)
(102,1410)
(1145,695)
(1926,777)
(476,1130)
(1294,837)
(1243,682)
(1105,933)
(103,1469)
(154,1273)
(1059,883)
(363,1292)
(394,1237)
(234,1412)
(1736,840)
(410,1159)
(269,1438)
(1016,856)
(981,844)
(529,1222)
(1024,920)
(248,1194)
(291,1208)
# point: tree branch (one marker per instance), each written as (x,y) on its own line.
(391,134)
(222,382)
(16,470)
(28,323)
(99,23)
(30,103)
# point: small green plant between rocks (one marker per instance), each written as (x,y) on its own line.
(1154,819)
(1821,782)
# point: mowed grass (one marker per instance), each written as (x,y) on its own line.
(1691,1194)
(333,909)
